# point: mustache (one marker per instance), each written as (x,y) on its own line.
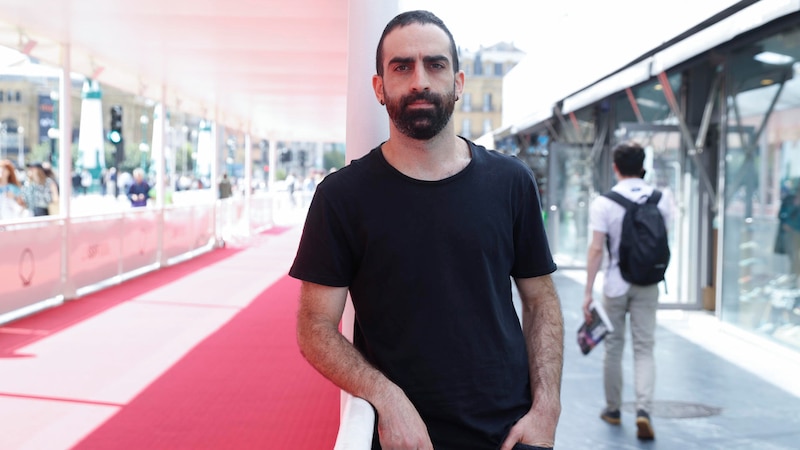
(427,96)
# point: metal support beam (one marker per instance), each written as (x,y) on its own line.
(686,135)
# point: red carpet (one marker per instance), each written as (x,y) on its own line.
(30,329)
(244,387)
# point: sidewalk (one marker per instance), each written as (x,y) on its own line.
(716,388)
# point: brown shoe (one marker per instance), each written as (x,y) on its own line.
(644,427)
(611,416)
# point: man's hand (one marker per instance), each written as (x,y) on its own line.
(587,313)
(531,430)
(400,426)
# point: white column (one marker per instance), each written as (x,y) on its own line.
(367,122)
(214,155)
(248,179)
(273,163)
(65,164)
(158,151)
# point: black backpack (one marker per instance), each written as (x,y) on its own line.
(644,248)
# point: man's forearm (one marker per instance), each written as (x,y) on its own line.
(593,260)
(543,326)
(336,359)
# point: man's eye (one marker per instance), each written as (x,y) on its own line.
(437,66)
(402,67)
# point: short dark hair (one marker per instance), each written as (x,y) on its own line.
(629,159)
(407,18)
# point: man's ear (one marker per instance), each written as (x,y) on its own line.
(459,84)
(377,86)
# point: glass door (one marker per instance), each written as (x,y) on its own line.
(668,171)
(568,209)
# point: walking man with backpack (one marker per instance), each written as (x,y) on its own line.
(630,222)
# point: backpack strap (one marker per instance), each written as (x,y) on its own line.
(619,198)
(655,197)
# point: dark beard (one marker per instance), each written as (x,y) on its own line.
(421,124)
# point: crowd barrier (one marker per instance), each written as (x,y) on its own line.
(47,260)
(356,425)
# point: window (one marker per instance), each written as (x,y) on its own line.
(466,102)
(465,128)
(498,69)
(487,102)
(487,125)
(478,64)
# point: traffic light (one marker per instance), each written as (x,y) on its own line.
(301,156)
(115,135)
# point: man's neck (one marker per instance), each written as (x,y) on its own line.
(434,159)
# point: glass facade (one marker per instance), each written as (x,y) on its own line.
(761,225)
(571,175)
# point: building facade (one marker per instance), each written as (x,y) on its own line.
(479,110)
(718,112)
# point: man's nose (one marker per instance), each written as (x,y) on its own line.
(421,81)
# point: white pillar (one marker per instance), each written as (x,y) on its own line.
(214,155)
(65,132)
(248,179)
(273,163)
(65,164)
(158,151)
(367,122)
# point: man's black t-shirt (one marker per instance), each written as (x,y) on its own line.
(428,265)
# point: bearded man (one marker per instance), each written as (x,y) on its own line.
(426,233)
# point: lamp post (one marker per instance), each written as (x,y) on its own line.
(2,141)
(21,146)
(52,132)
(143,147)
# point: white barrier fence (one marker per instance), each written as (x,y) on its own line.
(45,261)
(356,425)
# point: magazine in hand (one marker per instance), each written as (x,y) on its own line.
(591,333)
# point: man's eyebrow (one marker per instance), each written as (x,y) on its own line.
(436,58)
(401,60)
(426,59)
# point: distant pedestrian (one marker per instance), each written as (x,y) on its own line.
(225,189)
(290,186)
(41,194)
(139,190)
(621,298)
(12,203)
(111,181)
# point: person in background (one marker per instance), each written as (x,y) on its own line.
(225,189)
(39,191)
(48,170)
(620,298)
(425,233)
(789,219)
(290,186)
(12,203)
(111,181)
(139,190)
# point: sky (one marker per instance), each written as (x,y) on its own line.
(587,26)
(487,22)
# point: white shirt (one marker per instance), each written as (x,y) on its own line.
(605,216)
